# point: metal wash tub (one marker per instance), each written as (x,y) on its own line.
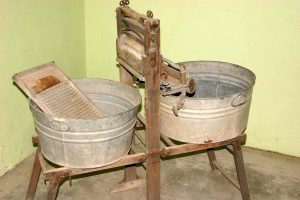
(88,143)
(219,109)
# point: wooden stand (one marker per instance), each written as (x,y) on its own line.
(56,176)
(151,121)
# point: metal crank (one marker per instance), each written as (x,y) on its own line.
(185,85)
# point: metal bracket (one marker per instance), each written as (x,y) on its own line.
(153,152)
(168,89)
(58,179)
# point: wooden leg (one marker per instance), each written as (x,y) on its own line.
(153,178)
(130,173)
(240,169)
(52,189)
(212,158)
(35,174)
(131,180)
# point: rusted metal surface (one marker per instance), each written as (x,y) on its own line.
(56,96)
(84,142)
(218,110)
(34,179)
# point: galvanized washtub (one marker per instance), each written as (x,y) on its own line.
(88,143)
(219,109)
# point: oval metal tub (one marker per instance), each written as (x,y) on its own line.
(219,109)
(89,143)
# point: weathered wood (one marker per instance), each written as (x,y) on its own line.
(129,185)
(128,12)
(135,26)
(240,170)
(125,76)
(126,160)
(130,173)
(185,148)
(119,21)
(130,69)
(53,189)
(152,106)
(35,174)
(167,140)
(170,74)
(212,158)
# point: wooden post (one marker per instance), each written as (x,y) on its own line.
(152,105)
(130,173)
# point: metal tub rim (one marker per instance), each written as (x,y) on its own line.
(248,89)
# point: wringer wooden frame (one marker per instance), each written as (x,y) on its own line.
(156,72)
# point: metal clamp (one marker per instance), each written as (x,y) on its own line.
(153,152)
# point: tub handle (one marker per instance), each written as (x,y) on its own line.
(59,126)
(179,103)
(240,99)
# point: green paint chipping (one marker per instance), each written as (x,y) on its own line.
(260,35)
(33,32)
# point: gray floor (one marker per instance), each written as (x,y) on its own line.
(270,176)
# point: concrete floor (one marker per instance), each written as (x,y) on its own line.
(270,176)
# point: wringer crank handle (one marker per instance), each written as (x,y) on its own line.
(183,86)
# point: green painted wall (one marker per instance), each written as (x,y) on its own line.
(260,35)
(33,32)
